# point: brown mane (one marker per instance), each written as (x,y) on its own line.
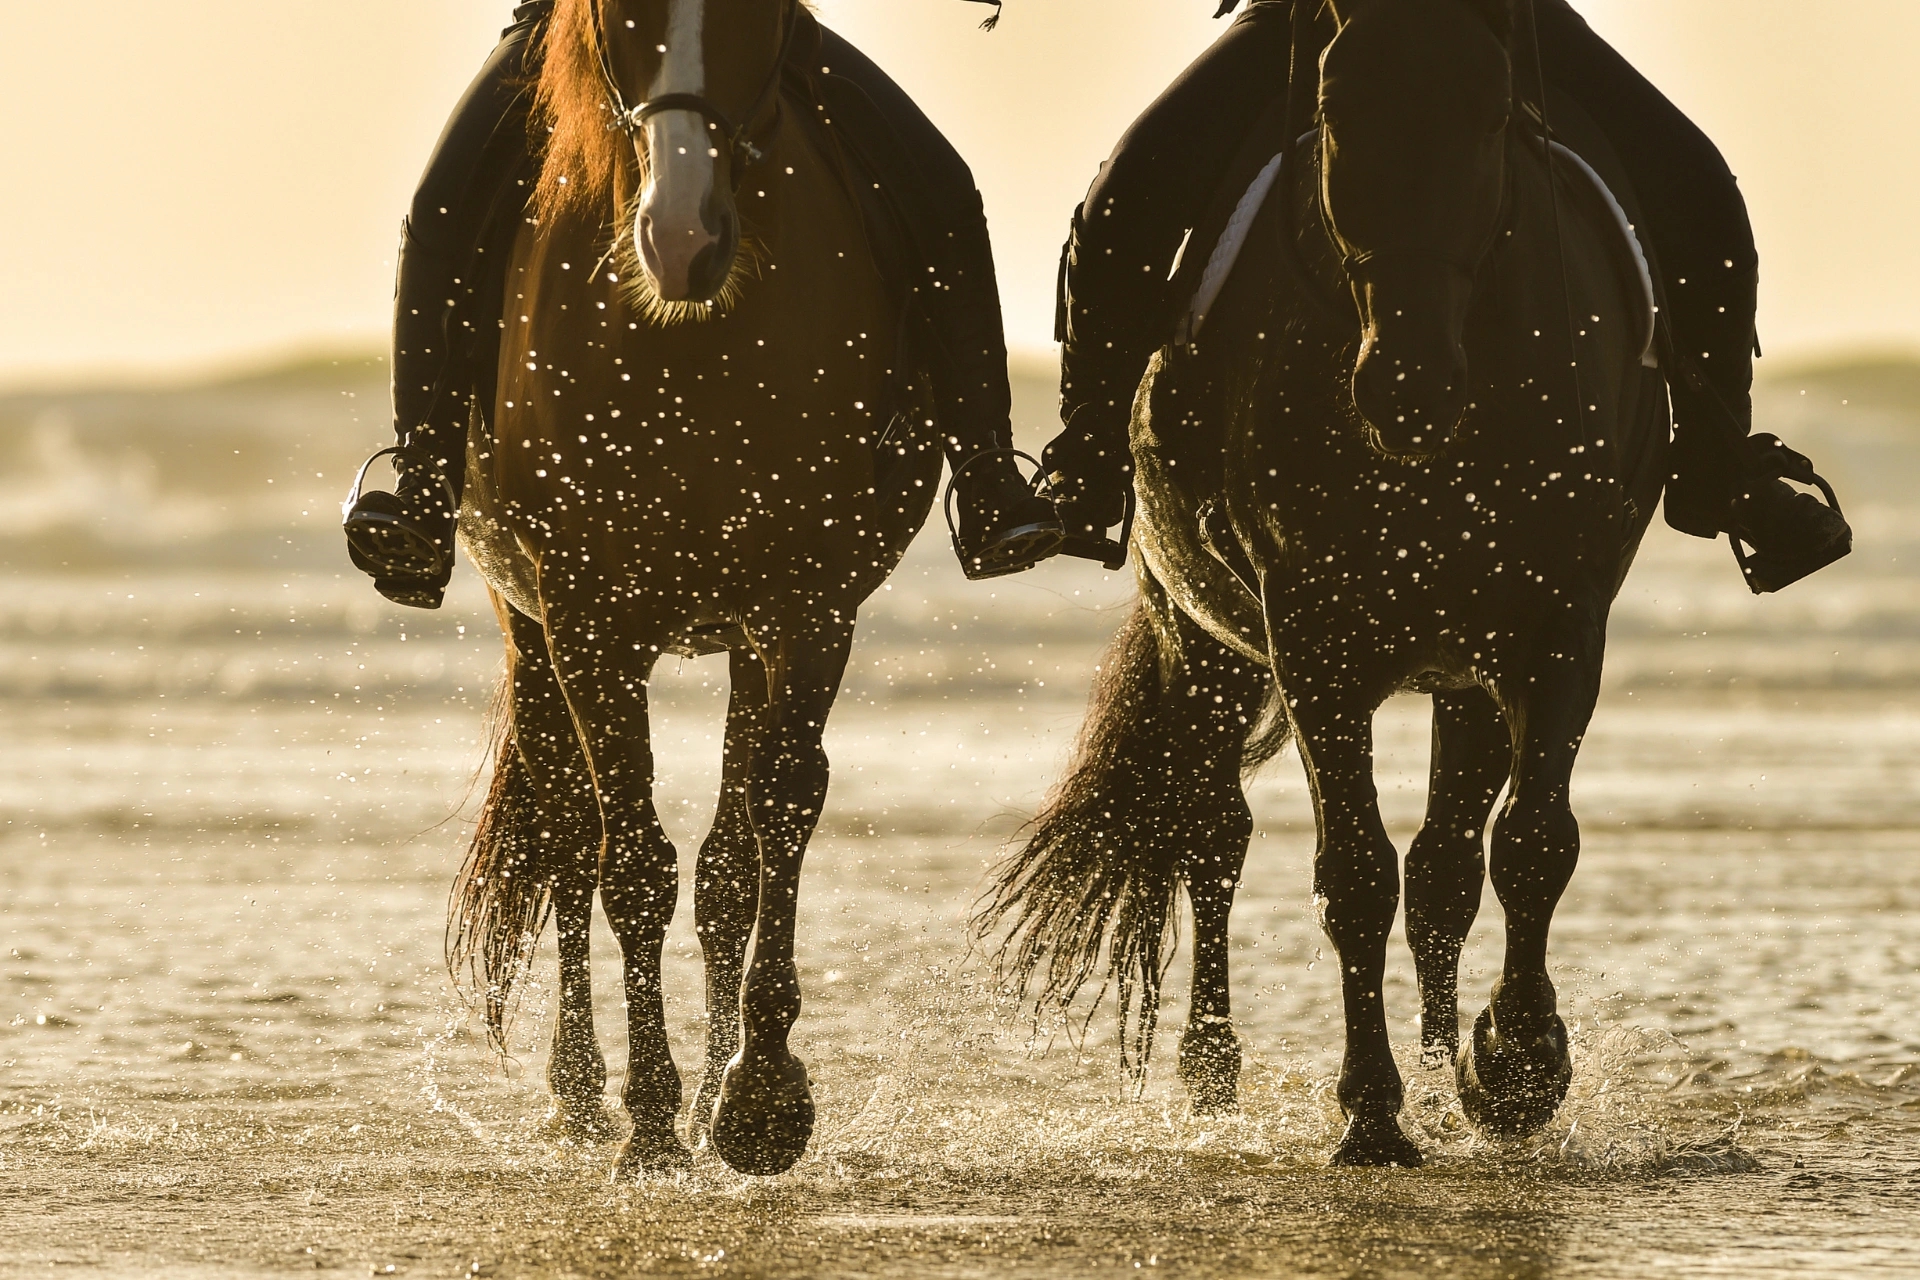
(570,105)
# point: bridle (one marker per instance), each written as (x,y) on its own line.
(1470,266)
(1343,310)
(738,139)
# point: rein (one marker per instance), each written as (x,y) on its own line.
(1559,234)
(741,150)
(1341,310)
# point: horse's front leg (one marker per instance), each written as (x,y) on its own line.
(1356,886)
(1447,865)
(1517,1067)
(764,1117)
(726,883)
(639,874)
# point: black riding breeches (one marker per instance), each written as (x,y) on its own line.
(1155,185)
(1709,267)
(446,305)
(1166,170)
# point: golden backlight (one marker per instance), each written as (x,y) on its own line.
(215,179)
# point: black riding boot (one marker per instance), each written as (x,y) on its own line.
(1003,525)
(1726,480)
(1089,465)
(405,539)
(447,293)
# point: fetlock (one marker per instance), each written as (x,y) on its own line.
(1523,1007)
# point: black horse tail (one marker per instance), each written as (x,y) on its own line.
(1101,871)
(502,897)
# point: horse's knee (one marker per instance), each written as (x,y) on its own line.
(639,885)
(791,784)
(1357,882)
(1534,844)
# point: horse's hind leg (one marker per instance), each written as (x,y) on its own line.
(763,1119)
(1516,1069)
(1472,756)
(726,883)
(1206,714)
(568,815)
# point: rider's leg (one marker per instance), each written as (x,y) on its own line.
(440,324)
(1115,308)
(1724,479)
(1004,527)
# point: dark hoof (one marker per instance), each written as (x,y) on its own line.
(1433,1057)
(581,1121)
(1512,1086)
(764,1117)
(1210,1068)
(650,1155)
(1376,1143)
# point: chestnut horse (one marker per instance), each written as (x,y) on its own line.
(698,445)
(1412,444)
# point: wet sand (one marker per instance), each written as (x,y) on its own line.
(229,814)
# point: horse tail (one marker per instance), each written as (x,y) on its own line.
(502,896)
(1103,865)
(1090,878)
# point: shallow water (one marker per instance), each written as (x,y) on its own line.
(229,815)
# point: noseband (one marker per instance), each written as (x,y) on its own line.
(738,138)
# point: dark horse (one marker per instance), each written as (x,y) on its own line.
(1413,447)
(700,445)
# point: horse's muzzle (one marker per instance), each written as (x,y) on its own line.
(1410,379)
(689,260)
(1412,399)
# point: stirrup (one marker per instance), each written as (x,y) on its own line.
(406,453)
(1109,553)
(1770,571)
(1009,551)
(407,566)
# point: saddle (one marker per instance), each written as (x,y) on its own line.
(1213,247)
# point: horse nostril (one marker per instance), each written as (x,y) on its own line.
(649,251)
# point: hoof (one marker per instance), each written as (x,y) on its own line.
(1435,1056)
(763,1119)
(1512,1087)
(1376,1143)
(651,1154)
(581,1121)
(1210,1068)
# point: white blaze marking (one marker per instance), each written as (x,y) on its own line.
(685,68)
(680,175)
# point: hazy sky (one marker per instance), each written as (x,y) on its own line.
(201,181)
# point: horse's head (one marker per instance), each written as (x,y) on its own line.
(1415,97)
(691,80)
